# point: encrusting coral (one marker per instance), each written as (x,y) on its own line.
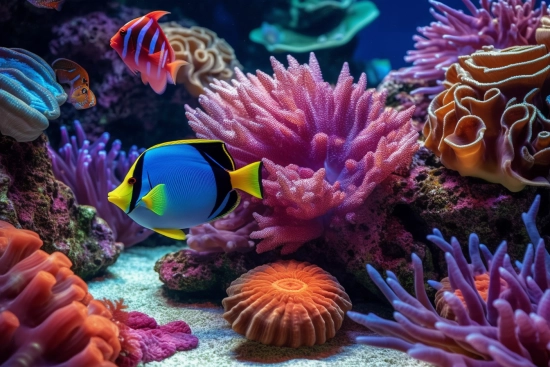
(325,148)
(510,327)
(490,121)
(91,172)
(497,23)
(143,340)
(47,317)
(208,57)
(29,94)
(31,198)
(287,303)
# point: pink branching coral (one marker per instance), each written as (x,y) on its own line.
(47,316)
(325,148)
(228,234)
(500,23)
(143,340)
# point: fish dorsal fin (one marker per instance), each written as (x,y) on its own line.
(155,200)
(157,14)
(214,148)
(176,234)
(65,64)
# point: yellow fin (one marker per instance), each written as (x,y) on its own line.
(176,234)
(248,179)
(155,200)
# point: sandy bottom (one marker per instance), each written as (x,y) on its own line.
(133,278)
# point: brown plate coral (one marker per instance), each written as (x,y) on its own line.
(491,120)
(208,56)
(287,303)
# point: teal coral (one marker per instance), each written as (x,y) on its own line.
(29,94)
(277,38)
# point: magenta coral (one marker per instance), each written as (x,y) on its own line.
(91,172)
(325,148)
(500,23)
(143,340)
(511,328)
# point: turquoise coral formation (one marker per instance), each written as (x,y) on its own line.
(29,94)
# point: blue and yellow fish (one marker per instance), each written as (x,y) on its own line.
(181,184)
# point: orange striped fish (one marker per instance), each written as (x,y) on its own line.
(69,72)
(144,48)
(48,4)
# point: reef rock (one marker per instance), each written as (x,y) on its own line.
(392,223)
(399,214)
(192,271)
(31,198)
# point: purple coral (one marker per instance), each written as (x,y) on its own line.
(91,172)
(325,148)
(500,23)
(156,343)
(511,329)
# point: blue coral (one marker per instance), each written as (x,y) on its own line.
(29,94)
(511,328)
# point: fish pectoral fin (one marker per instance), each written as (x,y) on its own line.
(155,58)
(176,234)
(144,78)
(155,200)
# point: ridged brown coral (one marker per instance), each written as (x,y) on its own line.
(208,56)
(491,120)
(47,317)
(287,303)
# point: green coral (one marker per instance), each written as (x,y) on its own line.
(309,14)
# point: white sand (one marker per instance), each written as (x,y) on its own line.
(133,278)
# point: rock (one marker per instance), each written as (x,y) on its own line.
(31,198)
(392,224)
(402,211)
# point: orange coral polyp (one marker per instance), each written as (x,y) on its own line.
(48,317)
(287,303)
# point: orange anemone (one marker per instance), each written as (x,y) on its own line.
(288,303)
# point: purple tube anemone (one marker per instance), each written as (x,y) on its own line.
(500,23)
(91,172)
(511,328)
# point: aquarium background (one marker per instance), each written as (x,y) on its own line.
(398,207)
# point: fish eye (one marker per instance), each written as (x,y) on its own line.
(84,91)
(132,180)
(122,32)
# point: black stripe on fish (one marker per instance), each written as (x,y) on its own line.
(218,152)
(136,189)
(223,181)
(232,202)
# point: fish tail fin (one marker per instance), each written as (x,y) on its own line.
(248,179)
(173,69)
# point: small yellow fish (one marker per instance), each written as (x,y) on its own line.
(69,72)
